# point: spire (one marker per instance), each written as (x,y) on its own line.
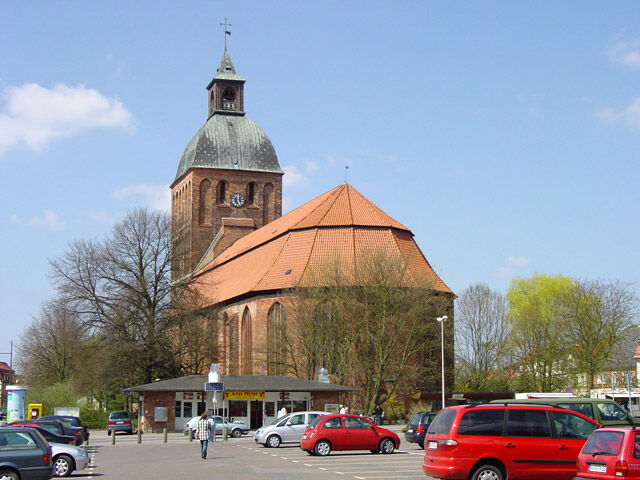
(226,70)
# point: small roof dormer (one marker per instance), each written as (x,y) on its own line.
(226,90)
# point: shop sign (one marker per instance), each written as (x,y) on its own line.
(243,395)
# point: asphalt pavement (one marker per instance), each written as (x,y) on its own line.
(240,458)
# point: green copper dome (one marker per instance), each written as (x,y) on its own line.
(230,142)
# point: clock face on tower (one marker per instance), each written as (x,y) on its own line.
(237,200)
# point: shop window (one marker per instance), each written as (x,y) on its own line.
(270,409)
(299,406)
(178,409)
(237,408)
(188,409)
(202,407)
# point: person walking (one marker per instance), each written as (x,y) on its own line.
(378,415)
(203,434)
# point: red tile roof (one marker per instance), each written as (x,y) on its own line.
(341,223)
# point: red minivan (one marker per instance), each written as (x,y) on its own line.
(611,453)
(500,441)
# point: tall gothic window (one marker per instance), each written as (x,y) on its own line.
(252,190)
(232,341)
(276,340)
(222,192)
(267,209)
(203,214)
(247,360)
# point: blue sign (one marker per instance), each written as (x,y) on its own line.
(214,387)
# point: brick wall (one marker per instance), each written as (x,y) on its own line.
(159,399)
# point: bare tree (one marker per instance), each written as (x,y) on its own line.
(481,334)
(50,350)
(121,288)
(598,313)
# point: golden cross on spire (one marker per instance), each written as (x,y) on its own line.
(226,30)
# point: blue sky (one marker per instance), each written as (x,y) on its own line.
(506,135)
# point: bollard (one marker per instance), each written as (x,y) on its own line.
(139,436)
(113,438)
(190,435)
(164,433)
(224,433)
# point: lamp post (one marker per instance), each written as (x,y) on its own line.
(441,321)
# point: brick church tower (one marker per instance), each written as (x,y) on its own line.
(229,181)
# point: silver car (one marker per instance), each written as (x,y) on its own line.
(67,458)
(288,429)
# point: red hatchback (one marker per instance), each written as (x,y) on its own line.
(505,441)
(347,432)
(611,453)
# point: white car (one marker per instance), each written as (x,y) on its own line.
(287,429)
(67,458)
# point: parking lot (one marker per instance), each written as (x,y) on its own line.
(240,458)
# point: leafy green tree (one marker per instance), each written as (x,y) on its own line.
(540,339)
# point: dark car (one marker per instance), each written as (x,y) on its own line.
(505,441)
(70,420)
(417,427)
(46,433)
(119,421)
(61,428)
(24,454)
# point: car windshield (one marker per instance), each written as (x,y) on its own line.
(279,422)
(119,416)
(442,423)
(315,422)
(415,419)
(603,442)
(54,427)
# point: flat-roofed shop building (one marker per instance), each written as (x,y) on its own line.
(254,400)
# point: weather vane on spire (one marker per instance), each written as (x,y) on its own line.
(227,31)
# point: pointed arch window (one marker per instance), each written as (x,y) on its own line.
(252,193)
(232,345)
(246,345)
(267,204)
(276,340)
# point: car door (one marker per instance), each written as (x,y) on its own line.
(530,452)
(571,432)
(359,434)
(294,428)
(21,448)
(333,431)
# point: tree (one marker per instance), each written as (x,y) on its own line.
(540,340)
(121,289)
(598,313)
(481,334)
(50,351)
(372,324)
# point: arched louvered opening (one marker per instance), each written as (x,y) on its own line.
(246,345)
(277,340)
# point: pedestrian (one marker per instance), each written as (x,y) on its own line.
(377,415)
(203,434)
(282,412)
(212,429)
(343,410)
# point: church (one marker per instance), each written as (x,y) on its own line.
(242,256)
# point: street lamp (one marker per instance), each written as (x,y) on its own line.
(441,320)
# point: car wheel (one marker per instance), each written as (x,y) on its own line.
(236,433)
(387,445)
(322,448)
(6,474)
(62,466)
(487,472)
(273,441)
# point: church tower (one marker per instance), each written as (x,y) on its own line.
(229,181)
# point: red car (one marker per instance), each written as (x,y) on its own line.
(505,441)
(347,432)
(612,453)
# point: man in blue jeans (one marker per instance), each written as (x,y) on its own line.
(203,432)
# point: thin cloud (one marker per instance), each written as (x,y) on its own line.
(298,177)
(625,53)
(34,116)
(157,197)
(629,117)
(48,221)
(510,264)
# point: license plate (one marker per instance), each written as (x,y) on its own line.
(598,468)
(433,445)
(119,423)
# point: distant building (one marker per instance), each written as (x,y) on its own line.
(6,378)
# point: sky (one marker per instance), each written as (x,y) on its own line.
(505,135)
